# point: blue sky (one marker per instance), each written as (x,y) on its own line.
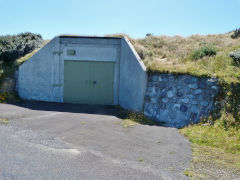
(133,17)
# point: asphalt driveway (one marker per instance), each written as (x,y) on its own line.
(65,141)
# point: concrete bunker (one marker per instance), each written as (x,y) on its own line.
(85,70)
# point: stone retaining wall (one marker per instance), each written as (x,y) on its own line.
(179,100)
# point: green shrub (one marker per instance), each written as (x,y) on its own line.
(236,56)
(204,50)
(13,47)
(236,34)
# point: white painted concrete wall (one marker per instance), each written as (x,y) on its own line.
(133,78)
(38,74)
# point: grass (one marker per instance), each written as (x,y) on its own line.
(175,56)
(203,51)
(131,118)
(213,163)
(129,123)
(188,173)
(4,121)
(216,151)
(166,54)
(214,136)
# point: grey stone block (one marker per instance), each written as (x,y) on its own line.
(201,84)
(193,102)
(176,106)
(170,94)
(215,89)
(191,96)
(185,100)
(162,94)
(179,93)
(197,91)
(183,108)
(155,78)
(204,103)
(162,106)
(211,81)
(187,81)
(154,100)
(194,108)
(193,86)
(165,100)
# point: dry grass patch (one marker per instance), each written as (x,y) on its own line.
(213,163)
(129,123)
(4,121)
(216,152)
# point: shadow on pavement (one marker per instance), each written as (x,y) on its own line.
(88,109)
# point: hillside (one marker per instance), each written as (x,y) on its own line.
(173,54)
(216,140)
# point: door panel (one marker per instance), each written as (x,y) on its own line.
(76,84)
(103,82)
(88,82)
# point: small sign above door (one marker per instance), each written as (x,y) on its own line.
(71,52)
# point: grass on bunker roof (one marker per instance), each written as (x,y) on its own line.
(173,55)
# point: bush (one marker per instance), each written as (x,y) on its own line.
(3,97)
(236,56)
(236,34)
(204,50)
(13,47)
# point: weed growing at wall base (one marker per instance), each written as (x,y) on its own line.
(3,97)
(131,118)
(216,151)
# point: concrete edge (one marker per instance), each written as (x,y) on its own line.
(33,56)
(135,53)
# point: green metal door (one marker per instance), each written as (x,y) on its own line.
(88,82)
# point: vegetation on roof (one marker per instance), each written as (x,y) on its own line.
(236,33)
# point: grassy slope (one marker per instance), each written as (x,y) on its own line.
(172,54)
(217,145)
